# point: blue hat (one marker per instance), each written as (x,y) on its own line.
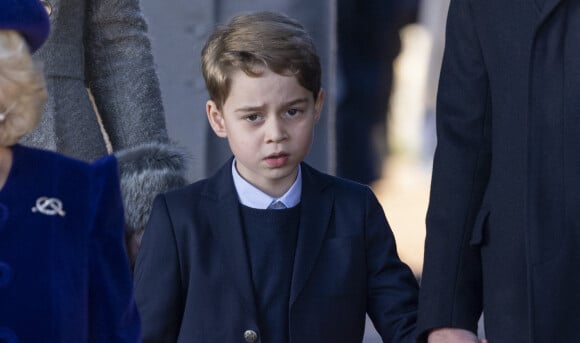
(27,17)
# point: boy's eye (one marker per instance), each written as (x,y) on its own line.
(252,117)
(292,112)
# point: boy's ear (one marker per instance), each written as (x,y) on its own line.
(319,104)
(216,119)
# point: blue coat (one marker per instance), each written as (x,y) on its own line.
(193,280)
(503,231)
(64,274)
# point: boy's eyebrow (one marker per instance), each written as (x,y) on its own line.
(296,101)
(261,107)
(249,108)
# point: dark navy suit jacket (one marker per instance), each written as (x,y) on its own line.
(193,280)
(64,272)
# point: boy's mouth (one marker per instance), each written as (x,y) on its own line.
(277,160)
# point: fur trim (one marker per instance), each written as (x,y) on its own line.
(146,171)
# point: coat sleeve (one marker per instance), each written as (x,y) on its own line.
(392,288)
(450,293)
(157,280)
(112,311)
(120,73)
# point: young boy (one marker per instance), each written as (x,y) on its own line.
(269,249)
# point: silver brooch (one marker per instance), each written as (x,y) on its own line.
(49,206)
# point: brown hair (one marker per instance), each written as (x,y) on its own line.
(22,89)
(251,42)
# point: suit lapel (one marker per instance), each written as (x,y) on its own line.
(316,203)
(226,225)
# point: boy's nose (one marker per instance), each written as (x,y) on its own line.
(275,131)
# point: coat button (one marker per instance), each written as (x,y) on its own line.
(7,335)
(5,275)
(250,336)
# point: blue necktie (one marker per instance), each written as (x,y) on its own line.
(276,205)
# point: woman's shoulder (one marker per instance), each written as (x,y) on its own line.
(60,168)
(45,159)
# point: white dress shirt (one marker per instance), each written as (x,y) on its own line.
(252,197)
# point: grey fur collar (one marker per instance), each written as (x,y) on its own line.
(146,171)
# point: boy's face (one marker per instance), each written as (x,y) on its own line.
(269,123)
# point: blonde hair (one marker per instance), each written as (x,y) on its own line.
(22,89)
(251,42)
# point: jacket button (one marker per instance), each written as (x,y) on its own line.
(250,336)
(5,275)
(7,335)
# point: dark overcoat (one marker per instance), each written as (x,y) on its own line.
(503,231)
(193,281)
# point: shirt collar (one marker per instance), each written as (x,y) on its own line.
(252,197)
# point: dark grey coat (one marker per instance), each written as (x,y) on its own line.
(102,46)
(503,231)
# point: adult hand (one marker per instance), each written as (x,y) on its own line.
(452,335)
